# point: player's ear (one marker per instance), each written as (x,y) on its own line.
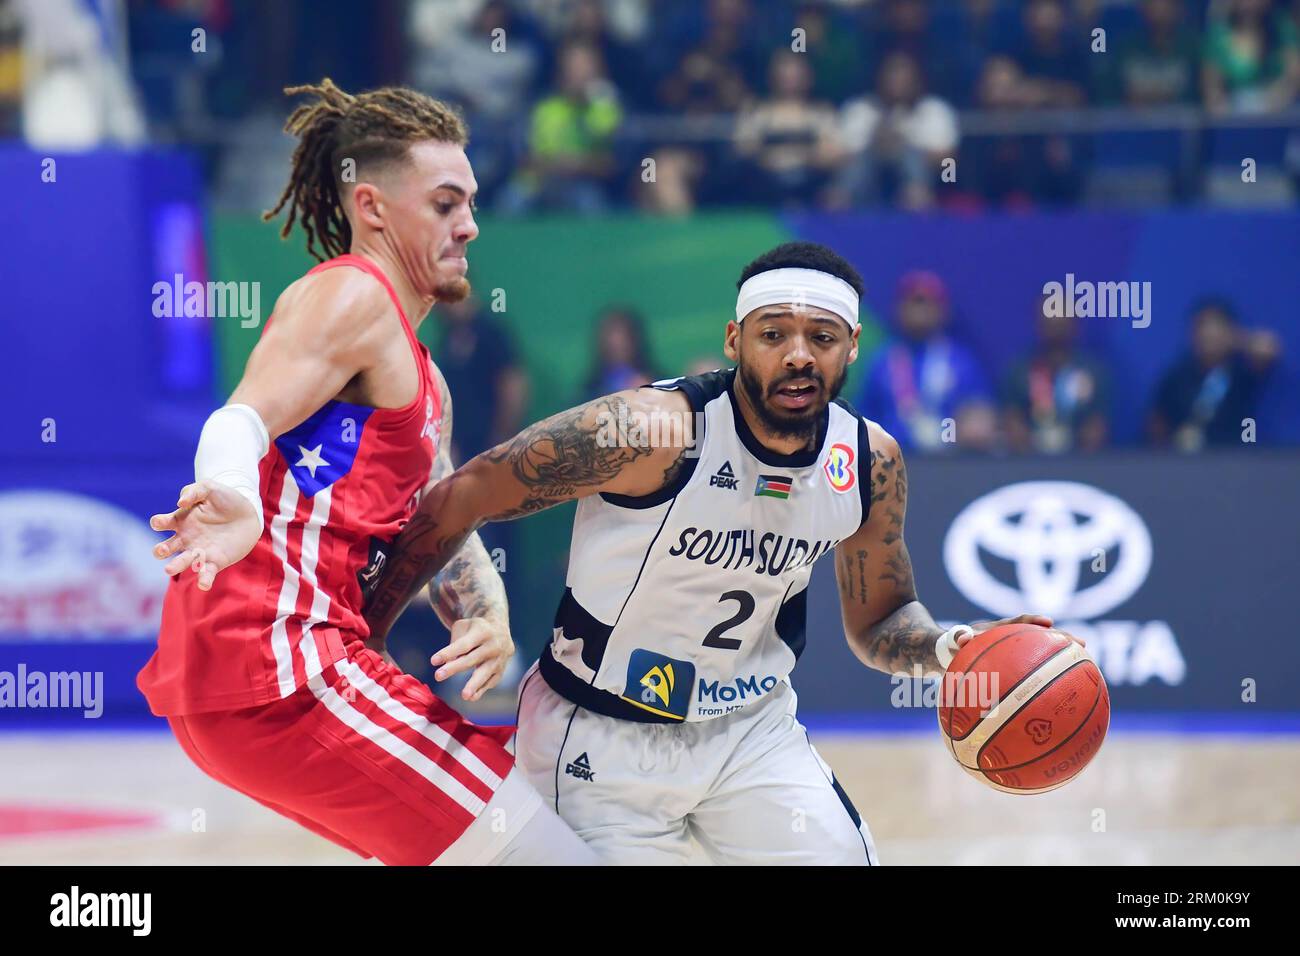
(853,344)
(366,205)
(731,341)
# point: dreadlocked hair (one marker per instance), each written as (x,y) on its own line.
(372,129)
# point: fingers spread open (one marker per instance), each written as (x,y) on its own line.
(165,522)
(458,647)
(192,494)
(483,680)
(462,663)
(180,562)
(165,549)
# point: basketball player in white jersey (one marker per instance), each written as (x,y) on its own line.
(660,718)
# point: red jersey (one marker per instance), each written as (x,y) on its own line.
(336,490)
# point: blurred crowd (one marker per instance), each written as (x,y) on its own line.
(580,105)
(924,384)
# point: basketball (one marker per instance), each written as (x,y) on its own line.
(1023,708)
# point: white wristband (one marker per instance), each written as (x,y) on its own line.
(945,648)
(233,441)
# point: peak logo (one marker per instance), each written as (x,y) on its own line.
(581,768)
(725,478)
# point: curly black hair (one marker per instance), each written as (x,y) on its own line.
(803,255)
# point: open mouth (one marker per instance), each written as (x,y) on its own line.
(796,394)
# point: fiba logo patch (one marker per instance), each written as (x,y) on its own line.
(839,467)
(1039,730)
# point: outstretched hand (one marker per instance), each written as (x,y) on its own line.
(479,643)
(213,527)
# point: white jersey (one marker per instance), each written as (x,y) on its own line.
(690,603)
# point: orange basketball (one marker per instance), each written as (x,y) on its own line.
(1023,708)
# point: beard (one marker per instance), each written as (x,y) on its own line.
(455,289)
(785,422)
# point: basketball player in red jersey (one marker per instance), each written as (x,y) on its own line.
(338,428)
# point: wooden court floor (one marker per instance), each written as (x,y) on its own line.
(133,798)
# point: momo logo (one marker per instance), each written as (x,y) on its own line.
(1071,551)
(1039,730)
(659,684)
(725,478)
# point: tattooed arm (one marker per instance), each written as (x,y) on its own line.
(596,447)
(467,595)
(887,627)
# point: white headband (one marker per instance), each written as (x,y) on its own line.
(801,287)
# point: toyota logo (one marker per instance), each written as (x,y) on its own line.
(1050,532)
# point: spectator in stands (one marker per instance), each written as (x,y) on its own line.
(489,388)
(704,83)
(836,45)
(1252,58)
(732,31)
(1204,397)
(588,22)
(622,355)
(570,162)
(489,385)
(11,69)
(1013,169)
(1052,57)
(1156,65)
(897,139)
(707,82)
(789,143)
(926,389)
(488,65)
(907,26)
(975,29)
(1056,399)
(77,91)
(490,74)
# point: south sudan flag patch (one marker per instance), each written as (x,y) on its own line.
(772,486)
